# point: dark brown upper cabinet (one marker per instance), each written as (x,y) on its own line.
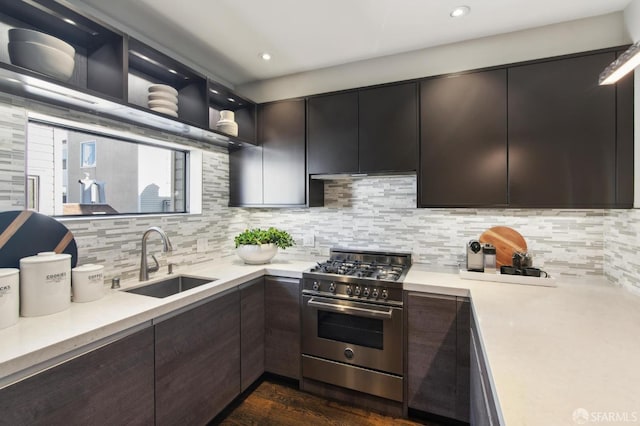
(332,133)
(371,130)
(221,98)
(112,73)
(562,134)
(147,66)
(273,174)
(281,135)
(463,141)
(245,175)
(388,124)
(99,52)
(624,141)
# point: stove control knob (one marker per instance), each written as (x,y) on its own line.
(348,353)
(316,286)
(385,294)
(332,287)
(357,291)
(374,293)
(365,292)
(349,290)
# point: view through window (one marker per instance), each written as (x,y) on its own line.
(72,172)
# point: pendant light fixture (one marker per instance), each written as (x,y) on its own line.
(625,63)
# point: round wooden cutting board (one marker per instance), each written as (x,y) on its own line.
(25,233)
(506,241)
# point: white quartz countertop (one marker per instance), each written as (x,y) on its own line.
(551,350)
(33,342)
(554,352)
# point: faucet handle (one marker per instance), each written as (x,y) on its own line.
(170,268)
(154,268)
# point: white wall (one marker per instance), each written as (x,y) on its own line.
(552,40)
(632,19)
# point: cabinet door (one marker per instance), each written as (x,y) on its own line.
(245,175)
(282,136)
(431,333)
(198,362)
(484,409)
(112,385)
(463,358)
(562,134)
(332,133)
(282,322)
(463,142)
(624,147)
(388,123)
(251,332)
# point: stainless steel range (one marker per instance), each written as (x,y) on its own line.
(352,324)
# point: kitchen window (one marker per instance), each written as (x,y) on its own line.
(83,170)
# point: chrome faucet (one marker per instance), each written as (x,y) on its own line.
(166,247)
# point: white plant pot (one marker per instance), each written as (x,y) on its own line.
(257,254)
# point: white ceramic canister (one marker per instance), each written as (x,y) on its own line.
(9,296)
(87,283)
(45,284)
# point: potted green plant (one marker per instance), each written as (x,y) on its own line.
(257,246)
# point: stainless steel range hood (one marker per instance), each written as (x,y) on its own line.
(341,176)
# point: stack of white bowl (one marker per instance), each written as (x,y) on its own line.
(163,99)
(41,52)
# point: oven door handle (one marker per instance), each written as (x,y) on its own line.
(354,310)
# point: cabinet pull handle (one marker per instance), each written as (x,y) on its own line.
(353,310)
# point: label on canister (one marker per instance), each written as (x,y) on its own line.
(87,283)
(9,297)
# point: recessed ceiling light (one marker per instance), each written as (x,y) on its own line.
(231,99)
(214,91)
(266,56)
(460,11)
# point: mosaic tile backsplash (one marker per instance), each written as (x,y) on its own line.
(368,213)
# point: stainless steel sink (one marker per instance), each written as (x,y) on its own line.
(170,286)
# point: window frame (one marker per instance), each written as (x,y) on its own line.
(193,166)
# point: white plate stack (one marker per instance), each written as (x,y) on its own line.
(163,99)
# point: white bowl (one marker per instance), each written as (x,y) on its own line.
(160,103)
(162,88)
(163,96)
(165,111)
(257,254)
(229,127)
(41,58)
(23,34)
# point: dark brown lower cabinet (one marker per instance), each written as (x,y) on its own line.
(483,406)
(112,385)
(197,356)
(251,332)
(282,326)
(438,354)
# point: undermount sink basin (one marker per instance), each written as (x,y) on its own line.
(170,286)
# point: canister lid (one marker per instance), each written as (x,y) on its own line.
(45,258)
(7,272)
(89,267)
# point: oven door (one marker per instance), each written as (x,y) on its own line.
(362,334)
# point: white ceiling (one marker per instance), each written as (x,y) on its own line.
(225,37)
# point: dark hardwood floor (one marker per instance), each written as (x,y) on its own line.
(275,402)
